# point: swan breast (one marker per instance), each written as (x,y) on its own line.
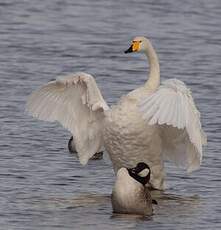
(128,139)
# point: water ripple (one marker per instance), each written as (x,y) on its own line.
(42,185)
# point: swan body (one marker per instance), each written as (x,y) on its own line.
(150,123)
(128,142)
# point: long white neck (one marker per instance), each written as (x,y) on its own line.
(154,69)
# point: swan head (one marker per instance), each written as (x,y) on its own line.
(140,173)
(139,44)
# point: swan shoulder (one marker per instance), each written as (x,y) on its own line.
(76,102)
(172,107)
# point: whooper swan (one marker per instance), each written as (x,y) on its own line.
(150,123)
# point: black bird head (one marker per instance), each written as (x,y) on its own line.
(140,173)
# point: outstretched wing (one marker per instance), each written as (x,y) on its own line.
(76,102)
(173,109)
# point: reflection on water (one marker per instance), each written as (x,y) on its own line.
(42,185)
(174,205)
(98,204)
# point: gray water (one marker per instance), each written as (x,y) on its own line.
(43,186)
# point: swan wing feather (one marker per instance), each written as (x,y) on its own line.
(76,102)
(179,123)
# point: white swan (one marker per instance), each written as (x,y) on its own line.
(148,124)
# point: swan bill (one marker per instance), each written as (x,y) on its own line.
(130,50)
(135,47)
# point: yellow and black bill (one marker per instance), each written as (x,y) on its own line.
(130,50)
(134,47)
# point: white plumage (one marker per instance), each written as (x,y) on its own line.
(76,102)
(172,108)
(149,123)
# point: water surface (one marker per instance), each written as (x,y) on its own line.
(42,185)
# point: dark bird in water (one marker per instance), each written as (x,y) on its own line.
(72,149)
(130,194)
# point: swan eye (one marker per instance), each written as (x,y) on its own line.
(144,173)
